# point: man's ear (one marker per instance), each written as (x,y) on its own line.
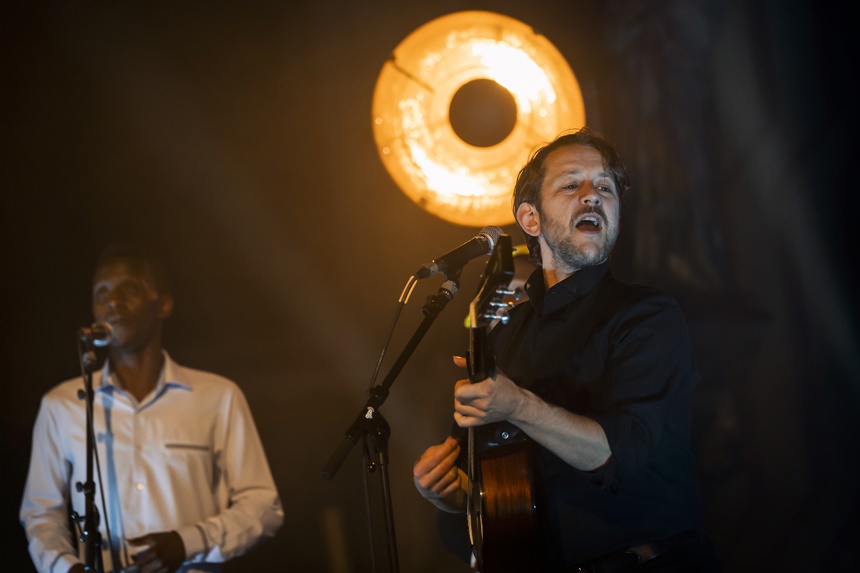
(165,305)
(529,219)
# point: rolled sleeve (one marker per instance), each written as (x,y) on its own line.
(651,368)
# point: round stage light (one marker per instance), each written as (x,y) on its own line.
(461,104)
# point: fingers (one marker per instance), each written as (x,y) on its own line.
(147,561)
(467,394)
(436,452)
(158,555)
(482,402)
(440,483)
(444,454)
(462,386)
(435,471)
(460,361)
(453,482)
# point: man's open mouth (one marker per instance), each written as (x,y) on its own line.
(589,223)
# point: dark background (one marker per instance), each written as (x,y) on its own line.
(236,139)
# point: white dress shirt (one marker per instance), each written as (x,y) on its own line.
(186,458)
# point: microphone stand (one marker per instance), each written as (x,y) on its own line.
(90,536)
(370,422)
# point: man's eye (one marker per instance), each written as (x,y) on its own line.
(128,290)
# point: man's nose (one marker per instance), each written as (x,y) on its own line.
(589,194)
(113,300)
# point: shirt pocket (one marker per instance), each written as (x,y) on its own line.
(189,459)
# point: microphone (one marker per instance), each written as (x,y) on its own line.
(97,334)
(481,244)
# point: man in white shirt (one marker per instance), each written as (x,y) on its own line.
(179,463)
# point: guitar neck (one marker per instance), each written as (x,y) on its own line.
(481,361)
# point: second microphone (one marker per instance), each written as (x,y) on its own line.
(481,244)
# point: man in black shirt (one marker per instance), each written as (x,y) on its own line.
(598,373)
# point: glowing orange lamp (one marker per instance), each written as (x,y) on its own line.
(460,106)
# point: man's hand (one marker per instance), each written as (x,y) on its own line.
(438,479)
(164,553)
(489,400)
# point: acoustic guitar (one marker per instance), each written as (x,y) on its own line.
(503,506)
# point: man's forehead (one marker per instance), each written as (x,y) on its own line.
(574,155)
(124,269)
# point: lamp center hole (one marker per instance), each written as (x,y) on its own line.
(482,113)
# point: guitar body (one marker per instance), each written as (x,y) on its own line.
(505,506)
(503,499)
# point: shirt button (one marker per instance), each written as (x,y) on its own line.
(139,486)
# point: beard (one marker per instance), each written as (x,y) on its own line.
(571,257)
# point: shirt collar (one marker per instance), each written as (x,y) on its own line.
(560,294)
(171,375)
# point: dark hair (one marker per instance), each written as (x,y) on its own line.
(530,178)
(139,255)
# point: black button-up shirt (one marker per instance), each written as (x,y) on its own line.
(621,355)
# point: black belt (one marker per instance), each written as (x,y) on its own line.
(630,558)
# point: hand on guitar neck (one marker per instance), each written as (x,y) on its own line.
(483,402)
